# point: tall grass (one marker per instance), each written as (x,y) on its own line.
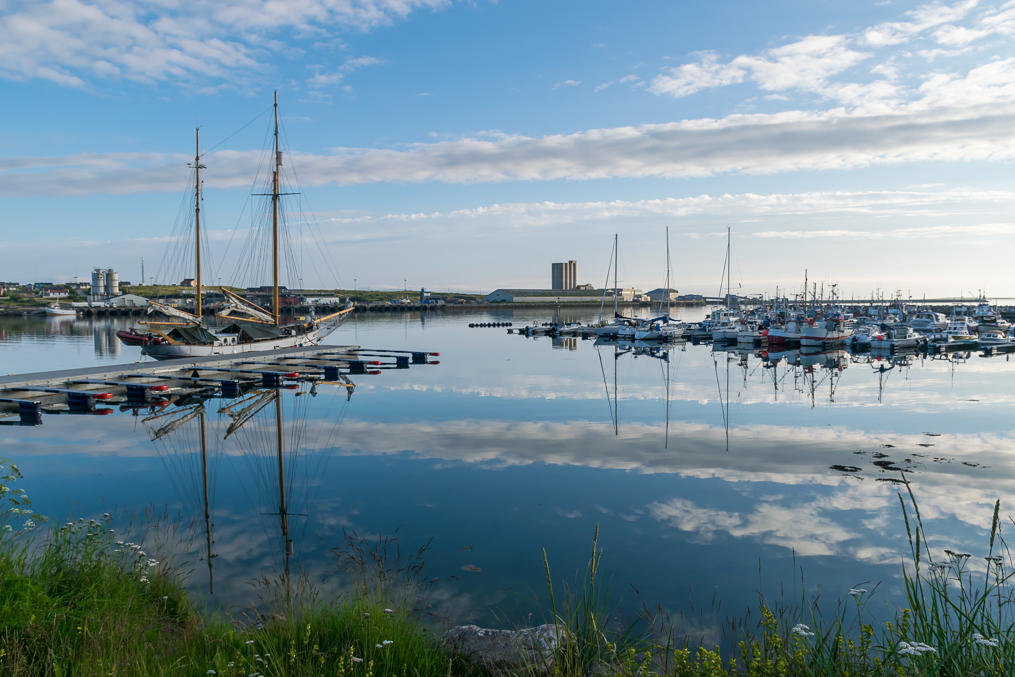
(957,619)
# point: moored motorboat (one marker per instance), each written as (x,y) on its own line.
(55,310)
(132,337)
(896,337)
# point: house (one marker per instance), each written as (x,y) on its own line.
(188,282)
(57,293)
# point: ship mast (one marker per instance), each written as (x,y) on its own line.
(197,166)
(616,262)
(274,222)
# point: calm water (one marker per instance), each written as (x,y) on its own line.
(707,472)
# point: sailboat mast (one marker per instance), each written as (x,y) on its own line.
(207,510)
(667,282)
(616,263)
(805,290)
(729,264)
(282,511)
(197,216)
(274,222)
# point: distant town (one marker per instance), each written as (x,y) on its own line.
(106,292)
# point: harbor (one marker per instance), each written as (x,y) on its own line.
(426,338)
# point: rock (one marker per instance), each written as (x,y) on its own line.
(499,649)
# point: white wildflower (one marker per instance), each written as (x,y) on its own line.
(802,630)
(388,611)
(985,641)
(144,579)
(153,562)
(7,527)
(379,646)
(387,642)
(857,592)
(249,641)
(357,659)
(29,524)
(211,672)
(914,648)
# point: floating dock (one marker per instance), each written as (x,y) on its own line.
(80,391)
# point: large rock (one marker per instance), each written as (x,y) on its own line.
(499,649)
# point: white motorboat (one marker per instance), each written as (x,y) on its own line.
(54,310)
(928,321)
(896,337)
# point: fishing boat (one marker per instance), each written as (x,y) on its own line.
(249,326)
(993,336)
(830,330)
(54,310)
(899,336)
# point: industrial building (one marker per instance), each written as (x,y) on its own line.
(555,295)
(105,284)
(564,276)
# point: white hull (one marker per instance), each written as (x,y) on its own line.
(820,335)
(170,351)
(725,334)
(61,312)
(668,333)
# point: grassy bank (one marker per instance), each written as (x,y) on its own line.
(75,600)
(84,604)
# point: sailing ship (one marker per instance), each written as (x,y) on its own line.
(250,327)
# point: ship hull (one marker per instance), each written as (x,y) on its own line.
(172,351)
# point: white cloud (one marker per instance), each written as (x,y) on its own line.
(745,144)
(921,19)
(70,42)
(818,64)
(323,79)
(690,78)
(567,83)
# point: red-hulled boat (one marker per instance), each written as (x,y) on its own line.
(135,338)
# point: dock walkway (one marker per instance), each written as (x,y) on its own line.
(141,384)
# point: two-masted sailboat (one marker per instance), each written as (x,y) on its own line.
(248,326)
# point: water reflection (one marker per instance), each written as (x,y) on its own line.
(702,463)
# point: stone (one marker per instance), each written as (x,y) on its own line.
(531,648)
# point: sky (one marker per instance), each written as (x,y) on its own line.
(467,145)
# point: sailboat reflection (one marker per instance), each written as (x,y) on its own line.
(176,441)
(269,430)
(884,366)
(636,349)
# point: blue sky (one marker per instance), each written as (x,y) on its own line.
(467,145)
